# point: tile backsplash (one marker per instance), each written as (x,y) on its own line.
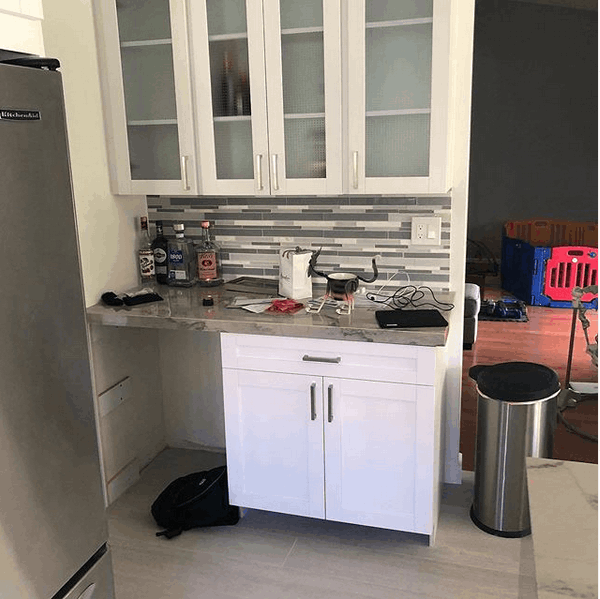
(350,229)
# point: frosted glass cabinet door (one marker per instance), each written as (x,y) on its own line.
(303,61)
(268,104)
(398,77)
(229,81)
(145,42)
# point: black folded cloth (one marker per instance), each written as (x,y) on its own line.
(144,297)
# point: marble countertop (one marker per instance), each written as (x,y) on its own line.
(182,308)
(563,506)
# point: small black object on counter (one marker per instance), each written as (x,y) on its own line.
(208,301)
(112,299)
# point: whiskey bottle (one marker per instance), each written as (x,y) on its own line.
(145,253)
(160,249)
(181,269)
(208,259)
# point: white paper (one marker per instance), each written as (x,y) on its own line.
(294,282)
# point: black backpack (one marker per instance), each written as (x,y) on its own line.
(195,500)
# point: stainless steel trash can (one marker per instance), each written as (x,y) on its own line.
(516,418)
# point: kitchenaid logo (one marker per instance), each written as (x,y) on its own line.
(19,115)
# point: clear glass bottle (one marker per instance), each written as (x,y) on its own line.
(160,247)
(145,253)
(208,259)
(181,263)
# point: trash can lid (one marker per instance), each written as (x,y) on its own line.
(515,381)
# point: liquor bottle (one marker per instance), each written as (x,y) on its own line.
(145,253)
(160,248)
(227,87)
(181,262)
(208,259)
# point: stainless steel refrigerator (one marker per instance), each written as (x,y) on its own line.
(53,528)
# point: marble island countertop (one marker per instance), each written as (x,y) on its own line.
(183,308)
(563,503)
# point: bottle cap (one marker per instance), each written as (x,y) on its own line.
(205,224)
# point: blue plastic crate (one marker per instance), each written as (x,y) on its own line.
(523,271)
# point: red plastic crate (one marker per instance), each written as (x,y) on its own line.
(570,267)
(552,232)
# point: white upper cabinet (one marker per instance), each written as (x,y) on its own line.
(398,59)
(146,83)
(278,97)
(267,93)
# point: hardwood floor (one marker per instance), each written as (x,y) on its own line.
(543,340)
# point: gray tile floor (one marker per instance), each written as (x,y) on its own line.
(269,555)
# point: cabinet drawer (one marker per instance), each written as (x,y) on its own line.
(324,357)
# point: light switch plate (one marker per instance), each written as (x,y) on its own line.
(426,230)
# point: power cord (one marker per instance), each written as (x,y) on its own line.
(409,295)
(571,427)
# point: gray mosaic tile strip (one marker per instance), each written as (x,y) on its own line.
(350,229)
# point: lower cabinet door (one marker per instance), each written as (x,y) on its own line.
(274,437)
(379,454)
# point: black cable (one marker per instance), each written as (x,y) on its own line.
(484,253)
(409,295)
(577,431)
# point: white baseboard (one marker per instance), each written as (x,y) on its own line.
(125,478)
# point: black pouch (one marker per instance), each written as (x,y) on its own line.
(197,500)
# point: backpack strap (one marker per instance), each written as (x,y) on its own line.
(170,533)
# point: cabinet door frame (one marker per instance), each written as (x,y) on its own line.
(439,179)
(237,402)
(332,65)
(259,184)
(114,105)
(419,515)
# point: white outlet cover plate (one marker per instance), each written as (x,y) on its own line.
(426,230)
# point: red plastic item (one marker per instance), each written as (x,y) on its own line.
(570,267)
(552,232)
(285,306)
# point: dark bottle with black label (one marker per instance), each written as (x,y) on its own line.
(160,249)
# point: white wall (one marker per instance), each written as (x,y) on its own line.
(134,432)
(107,223)
(21,26)
(461,101)
(192,389)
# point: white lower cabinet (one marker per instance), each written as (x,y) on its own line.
(353,450)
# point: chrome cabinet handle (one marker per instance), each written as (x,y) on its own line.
(313,407)
(259,174)
(355,170)
(275,173)
(184,173)
(330,403)
(307,358)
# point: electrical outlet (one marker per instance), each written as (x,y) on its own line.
(426,230)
